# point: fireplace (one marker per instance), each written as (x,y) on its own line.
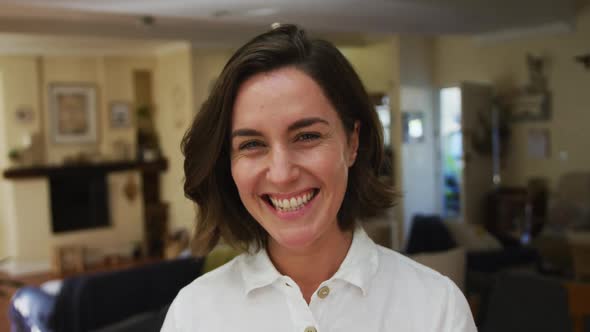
(79,202)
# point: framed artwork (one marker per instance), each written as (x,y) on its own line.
(413,127)
(121,115)
(72,113)
(538,143)
(531,107)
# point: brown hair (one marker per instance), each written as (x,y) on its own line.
(206,146)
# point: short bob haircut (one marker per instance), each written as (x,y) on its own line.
(206,144)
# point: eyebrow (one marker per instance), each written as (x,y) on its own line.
(306,123)
(294,126)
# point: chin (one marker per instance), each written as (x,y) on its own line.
(295,240)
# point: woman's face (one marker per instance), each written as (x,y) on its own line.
(290,157)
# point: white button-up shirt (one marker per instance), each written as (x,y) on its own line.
(375,289)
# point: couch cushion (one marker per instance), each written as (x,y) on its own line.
(473,237)
(429,234)
(450,263)
(145,322)
(90,302)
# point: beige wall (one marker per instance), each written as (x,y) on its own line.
(3,242)
(420,186)
(113,77)
(24,203)
(503,64)
(21,88)
(375,64)
(173,85)
(378,66)
(29,79)
(193,71)
(29,234)
(207,65)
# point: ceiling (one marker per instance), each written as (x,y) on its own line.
(223,22)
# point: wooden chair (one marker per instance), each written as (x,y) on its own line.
(579,303)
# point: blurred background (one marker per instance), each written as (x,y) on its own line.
(485,106)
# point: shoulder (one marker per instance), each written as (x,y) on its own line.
(225,278)
(392,261)
(214,290)
(422,289)
(402,275)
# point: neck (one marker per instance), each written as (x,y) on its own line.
(313,265)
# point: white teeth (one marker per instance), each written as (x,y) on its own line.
(292,204)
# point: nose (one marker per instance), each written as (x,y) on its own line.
(281,168)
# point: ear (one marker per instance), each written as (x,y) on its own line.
(353,143)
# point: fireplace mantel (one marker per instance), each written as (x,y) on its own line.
(84,168)
(28,212)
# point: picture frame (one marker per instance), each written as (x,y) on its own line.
(73,117)
(121,115)
(539,143)
(413,127)
(531,106)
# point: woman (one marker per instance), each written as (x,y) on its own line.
(282,161)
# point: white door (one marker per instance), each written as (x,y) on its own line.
(419,186)
(450,153)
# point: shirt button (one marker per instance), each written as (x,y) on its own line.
(323,292)
(310,329)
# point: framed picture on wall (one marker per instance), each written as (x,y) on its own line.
(531,107)
(413,127)
(72,113)
(121,115)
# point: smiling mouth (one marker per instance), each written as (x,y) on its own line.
(291,204)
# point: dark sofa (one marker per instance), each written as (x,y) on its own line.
(133,299)
(430,234)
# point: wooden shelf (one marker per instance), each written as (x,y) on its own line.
(80,169)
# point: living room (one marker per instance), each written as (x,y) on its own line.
(180,74)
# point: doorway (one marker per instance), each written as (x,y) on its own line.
(451,152)
(465,175)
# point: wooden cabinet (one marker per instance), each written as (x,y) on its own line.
(155,211)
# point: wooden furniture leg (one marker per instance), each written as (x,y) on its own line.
(578,302)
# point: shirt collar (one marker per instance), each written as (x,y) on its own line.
(361,263)
(358,268)
(257,270)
